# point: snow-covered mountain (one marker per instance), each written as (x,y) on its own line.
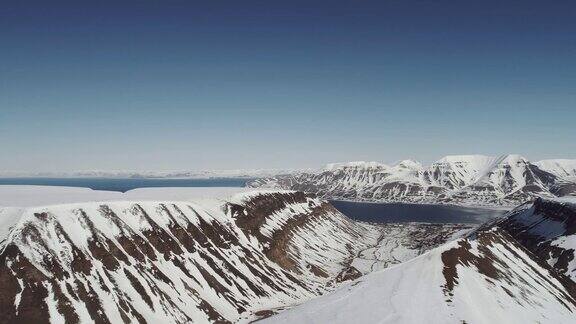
(514,271)
(462,179)
(560,167)
(206,260)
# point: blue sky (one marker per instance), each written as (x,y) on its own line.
(164,85)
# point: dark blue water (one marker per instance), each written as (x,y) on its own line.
(124,185)
(400,213)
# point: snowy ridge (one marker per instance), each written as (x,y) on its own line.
(188,261)
(460,179)
(488,278)
(30,196)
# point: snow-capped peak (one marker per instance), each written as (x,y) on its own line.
(512,159)
(409,164)
(471,158)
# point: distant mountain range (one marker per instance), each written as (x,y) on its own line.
(199,174)
(460,179)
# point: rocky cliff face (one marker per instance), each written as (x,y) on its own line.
(181,262)
(468,179)
(548,229)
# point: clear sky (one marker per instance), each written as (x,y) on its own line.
(165,85)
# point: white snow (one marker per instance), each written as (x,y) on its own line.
(27,196)
(55,316)
(569,200)
(19,295)
(9,217)
(412,293)
(17,199)
(563,168)
(24,196)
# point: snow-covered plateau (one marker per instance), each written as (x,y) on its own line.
(460,179)
(236,255)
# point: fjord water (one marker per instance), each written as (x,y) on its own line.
(125,184)
(425,213)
